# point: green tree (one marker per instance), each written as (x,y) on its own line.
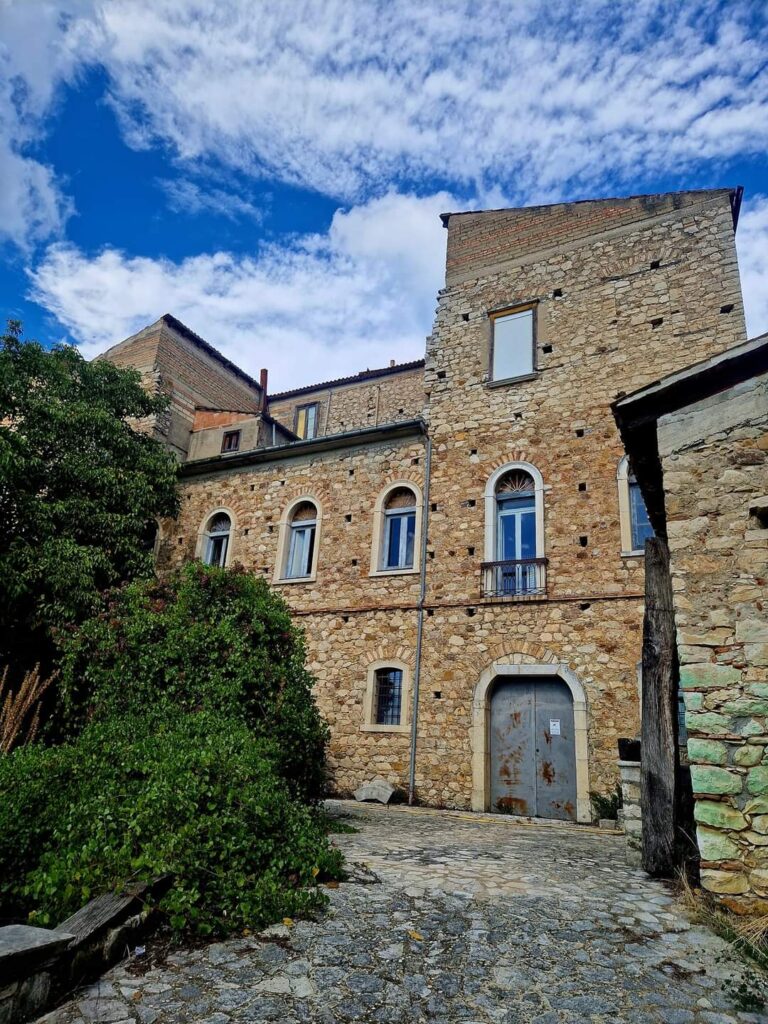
(80,489)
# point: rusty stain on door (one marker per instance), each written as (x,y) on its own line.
(533,753)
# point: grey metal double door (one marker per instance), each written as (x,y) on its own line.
(532,748)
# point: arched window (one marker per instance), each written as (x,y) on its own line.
(633,515)
(399,529)
(514,546)
(396,529)
(300,547)
(216,539)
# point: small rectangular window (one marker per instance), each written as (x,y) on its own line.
(512,344)
(389,695)
(306,421)
(231,441)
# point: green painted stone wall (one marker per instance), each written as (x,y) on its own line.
(715,460)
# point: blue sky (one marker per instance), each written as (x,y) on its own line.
(272,172)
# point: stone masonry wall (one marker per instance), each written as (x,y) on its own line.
(609,320)
(715,461)
(173,365)
(398,395)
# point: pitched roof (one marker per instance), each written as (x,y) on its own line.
(355,378)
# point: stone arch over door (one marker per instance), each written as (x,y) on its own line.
(526,665)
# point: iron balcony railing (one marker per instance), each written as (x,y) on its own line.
(520,580)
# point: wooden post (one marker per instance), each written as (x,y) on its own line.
(659,753)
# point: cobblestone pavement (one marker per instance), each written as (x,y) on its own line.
(454,918)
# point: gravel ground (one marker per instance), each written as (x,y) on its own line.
(453,917)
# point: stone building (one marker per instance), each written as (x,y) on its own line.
(698,440)
(462,537)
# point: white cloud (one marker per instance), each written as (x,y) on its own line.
(38,51)
(326,306)
(543,98)
(188,197)
(752,247)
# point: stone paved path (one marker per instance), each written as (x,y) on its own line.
(472,919)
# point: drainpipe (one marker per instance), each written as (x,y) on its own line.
(420,620)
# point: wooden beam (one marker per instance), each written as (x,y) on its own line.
(659,753)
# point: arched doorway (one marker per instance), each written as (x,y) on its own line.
(538,664)
(532,747)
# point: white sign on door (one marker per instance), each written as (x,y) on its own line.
(554,727)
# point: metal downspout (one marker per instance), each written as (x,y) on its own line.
(420,620)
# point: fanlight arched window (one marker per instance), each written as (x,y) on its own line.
(301,541)
(635,525)
(216,541)
(399,532)
(515,565)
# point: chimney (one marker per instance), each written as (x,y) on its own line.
(263,377)
(391,362)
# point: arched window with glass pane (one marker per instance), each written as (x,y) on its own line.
(399,534)
(516,533)
(216,539)
(301,541)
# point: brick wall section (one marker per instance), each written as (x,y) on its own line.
(399,395)
(477,240)
(715,462)
(174,365)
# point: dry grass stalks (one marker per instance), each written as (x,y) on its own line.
(20,711)
(747,935)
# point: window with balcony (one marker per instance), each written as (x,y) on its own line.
(515,565)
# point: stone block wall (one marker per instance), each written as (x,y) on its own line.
(622,298)
(368,400)
(714,456)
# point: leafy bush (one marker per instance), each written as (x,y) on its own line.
(607,807)
(213,639)
(191,794)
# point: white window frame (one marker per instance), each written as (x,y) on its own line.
(369,723)
(285,539)
(380,529)
(391,514)
(204,536)
(501,314)
(491,518)
(628,550)
(304,532)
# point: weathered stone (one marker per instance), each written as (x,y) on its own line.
(732,882)
(757,781)
(708,722)
(714,845)
(748,756)
(708,676)
(752,631)
(707,751)
(378,789)
(707,779)
(758,805)
(719,815)
(760,823)
(759,881)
